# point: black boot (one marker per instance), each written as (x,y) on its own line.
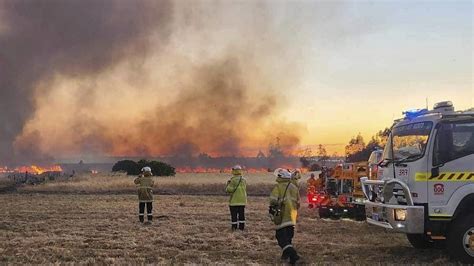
(242,226)
(294,257)
(285,256)
(141,218)
(150,217)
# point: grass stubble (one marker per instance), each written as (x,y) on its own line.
(101,227)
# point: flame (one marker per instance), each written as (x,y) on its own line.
(32,169)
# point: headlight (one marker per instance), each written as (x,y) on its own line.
(400,214)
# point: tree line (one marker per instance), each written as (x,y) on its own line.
(134,168)
(356,150)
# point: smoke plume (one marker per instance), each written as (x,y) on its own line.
(43,39)
(141,78)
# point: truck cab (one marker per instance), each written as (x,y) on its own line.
(426,183)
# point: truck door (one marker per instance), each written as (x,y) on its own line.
(452,163)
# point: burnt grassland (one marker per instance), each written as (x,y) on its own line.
(40,228)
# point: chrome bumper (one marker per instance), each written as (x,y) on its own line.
(383,214)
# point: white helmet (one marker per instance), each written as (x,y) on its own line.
(237,167)
(146,169)
(283,173)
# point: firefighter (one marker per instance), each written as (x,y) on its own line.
(237,188)
(295,177)
(144,184)
(284,205)
(311,182)
(316,183)
(312,186)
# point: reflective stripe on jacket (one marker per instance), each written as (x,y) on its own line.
(144,185)
(237,188)
(291,201)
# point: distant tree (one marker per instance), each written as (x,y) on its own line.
(158,168)
(357,151)
(128,166)
(261,155)
(356,144)
(275,150)
(322,154)
(134,168)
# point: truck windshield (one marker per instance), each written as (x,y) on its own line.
(409,141)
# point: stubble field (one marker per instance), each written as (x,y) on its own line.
(64,228)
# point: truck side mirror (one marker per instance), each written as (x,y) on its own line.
(435,171)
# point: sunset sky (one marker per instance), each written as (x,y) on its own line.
(223,77)
(386,57)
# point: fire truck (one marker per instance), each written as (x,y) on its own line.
(343,195)
(426,188)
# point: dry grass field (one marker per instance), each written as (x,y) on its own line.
(181,184)
(103,229)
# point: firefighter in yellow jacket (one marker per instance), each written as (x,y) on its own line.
(144,184)
(237,188)
(284,205)
(296,176)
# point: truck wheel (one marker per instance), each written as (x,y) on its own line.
(323,213)
(420,241)
(359,213)
(460,239)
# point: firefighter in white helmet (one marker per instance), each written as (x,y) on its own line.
(284,205)
(237,188)
(144,184)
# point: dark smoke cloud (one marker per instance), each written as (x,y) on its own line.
(126,78)
(43,39)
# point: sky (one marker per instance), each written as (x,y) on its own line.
(223,77)
(404,54)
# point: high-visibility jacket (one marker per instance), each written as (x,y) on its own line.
(144,184)
(290,203)
(237,188)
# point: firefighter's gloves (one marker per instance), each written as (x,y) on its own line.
(271,210)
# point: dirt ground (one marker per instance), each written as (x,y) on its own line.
(40,228)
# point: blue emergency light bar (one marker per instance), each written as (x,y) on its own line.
(410,114)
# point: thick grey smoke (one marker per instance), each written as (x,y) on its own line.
(40,40)
(126,78)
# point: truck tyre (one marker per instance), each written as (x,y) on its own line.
(359,213)
(323,213)
(460,239)
(420,241)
